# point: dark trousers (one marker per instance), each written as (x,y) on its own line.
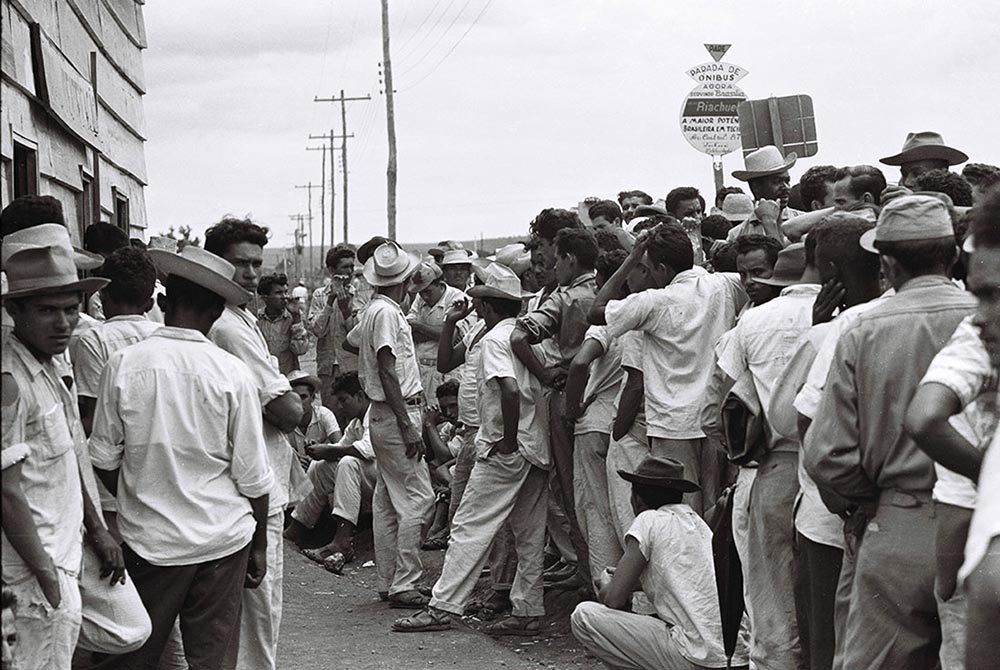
(817,573)
(561,444)
(207,596)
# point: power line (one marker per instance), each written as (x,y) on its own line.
(455,46)
(427,53)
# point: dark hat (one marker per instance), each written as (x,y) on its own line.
(666,473)
(789,268)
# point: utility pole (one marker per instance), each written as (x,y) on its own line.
(322,201)
(343,99)
(331,136)
(312,250)
(390,171)
(298,244)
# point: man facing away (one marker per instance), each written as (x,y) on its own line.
(281,323)
(177,438)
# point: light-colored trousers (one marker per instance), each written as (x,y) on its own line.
(741,538)
(46,637)
(624,454)
(114,620)
(626,640)
(593,507)
(260,619)
(502,488)
(403,499)
(348,483)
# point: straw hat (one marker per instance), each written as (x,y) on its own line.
(910,218)
(922,146)
(203,268)
(302,377)
(46,234)
(389,265)
(425,275)
(514,256)
(42,264)
(456,257)
(764,162)
(789,267)
(737,207)
(501,282)
(664,472)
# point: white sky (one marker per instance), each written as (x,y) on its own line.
(504,108)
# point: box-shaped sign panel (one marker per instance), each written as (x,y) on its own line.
(788,123)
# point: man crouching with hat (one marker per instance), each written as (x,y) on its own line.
(668,555)
(178,440)
(47,513)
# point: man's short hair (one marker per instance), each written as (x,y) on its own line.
(921,257)
(231,230)
(132,275)
(184,292)
(679,195)
(839,236)
(981,175)
(8,599)
(366,250)
(504,307)
(27,211)
(747,243)
(716,226)
(446,389)
(720,195)
(986,223)
(346,382)
(814,183)
(647,199)
(671,246)
(608,262)
(947,182)
(723,257)
(607,240)
(268,282)
(338,252)
(655,497)
(606,209)
(864,179)
(104,238)
(578,242)
(550,221)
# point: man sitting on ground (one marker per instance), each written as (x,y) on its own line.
(342,474)
(318,424)
(442,434)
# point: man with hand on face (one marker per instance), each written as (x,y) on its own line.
(330,314)
(281,323)
(766,174)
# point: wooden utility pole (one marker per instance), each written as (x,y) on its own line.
(390,117)
(298,244)
(343,99)
(322,201)
(343,149)
(312,250)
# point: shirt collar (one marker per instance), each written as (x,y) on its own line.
(243,314)
(263,315)
(686,275)
(175,333)
(382,296)
(801,289)
(582,279)
(127,317)
(925,281)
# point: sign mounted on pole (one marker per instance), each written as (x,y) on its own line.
(788,123)
(709,114)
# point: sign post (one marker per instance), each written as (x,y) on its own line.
(709,114)
(788,123)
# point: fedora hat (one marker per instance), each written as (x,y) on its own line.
(44,235)
(501,282)
(302,377)
(789,267)
(764,162)
(922,146)
(203,268)
(737,207)
(664,472)
(162,242)
(389,265)
(910,218)
(45,269)
(456,257)
(425,275)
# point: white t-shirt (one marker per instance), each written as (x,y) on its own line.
(679,579)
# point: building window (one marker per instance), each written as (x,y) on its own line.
(85,202)
(121,211)
(25,170)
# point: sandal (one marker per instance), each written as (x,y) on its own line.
(408,600)
(435,543)
(315,555)
(424,621)
(335,562)
(522,626)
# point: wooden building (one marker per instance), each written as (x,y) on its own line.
(71,115)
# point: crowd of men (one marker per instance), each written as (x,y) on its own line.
(762,435)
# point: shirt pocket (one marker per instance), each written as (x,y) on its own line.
(53,439)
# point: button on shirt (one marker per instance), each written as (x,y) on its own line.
(563,317)
(680,324)
(40,425)
(286,339)
(857,443)
(236,331)
(764,341)
(679,579)
(382,324)
(182,421)
(433,315)
(498,362)
(95,346)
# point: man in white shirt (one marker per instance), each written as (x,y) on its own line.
(426,316)
(342,475)
(679,321)
(241,243)
(177,439)
(318,424)
(668,555)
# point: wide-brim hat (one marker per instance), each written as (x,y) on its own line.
(425,275)
(514,256)
(43,235)
(501,282)
(302,377)
(922,146)
(34,270)
(765,162)
(662,472)
(203,268)
(456,257)
(788,268)
(737,207)
(910,218)
(389,265)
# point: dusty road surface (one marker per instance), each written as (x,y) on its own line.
(332,622)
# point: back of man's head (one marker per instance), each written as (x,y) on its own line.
(30,210)
(981,175)
(185,295)
(720,195)
(132,277)
(104,238)
(671,246)
(864,179)
(607,210)
(986,223)
(348,383)
(815,185)
(947,182)
(578,242)
(836,239)
(232,230)
(550,221)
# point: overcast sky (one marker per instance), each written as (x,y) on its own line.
(504,108)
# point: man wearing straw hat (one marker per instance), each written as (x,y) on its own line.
(48,508)
(766,174)
(177,438)
(390,377)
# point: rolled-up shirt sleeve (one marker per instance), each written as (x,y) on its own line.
(962,366)
(385,331)
(107,440)
(87,365)
(250,467)
(543,322)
